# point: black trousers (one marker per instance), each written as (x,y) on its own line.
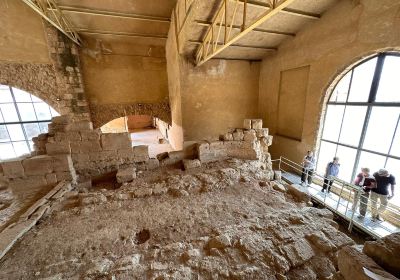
(307,175)
(327,184)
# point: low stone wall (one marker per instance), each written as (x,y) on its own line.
(92,152)
(250,142)
(37,171)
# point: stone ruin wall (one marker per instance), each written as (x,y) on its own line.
(74,151)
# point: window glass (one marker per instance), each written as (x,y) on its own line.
(5,95)
(9,112)
(44,127)
(4,137)
(30,117)
(381,126)
(347,158)
(31,130)
(341,90)
(21,96)
(42,111)
(6,151)
(373,161)
(326,153)
(36,99)
(26,111)
(21,148)
(393,166)
(389,84)
(362,81)
(15,131)
(333,121)
(353,122)
(396,143)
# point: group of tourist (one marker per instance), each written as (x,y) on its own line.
(374,187)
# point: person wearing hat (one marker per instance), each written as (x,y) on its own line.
(381,192)
(366,182)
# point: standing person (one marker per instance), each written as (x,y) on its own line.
(308,168)
(383,181)
(366,182)
(332,170)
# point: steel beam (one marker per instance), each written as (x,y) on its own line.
(274,32)
(239,46)
(87,11)
(49,10)
(264,5)
(125,34)
(203,53)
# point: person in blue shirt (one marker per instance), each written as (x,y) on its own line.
(332,170)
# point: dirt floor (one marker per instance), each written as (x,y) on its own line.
(222,221)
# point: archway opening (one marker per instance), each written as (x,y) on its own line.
(362,119)
(144,130)
(22,117)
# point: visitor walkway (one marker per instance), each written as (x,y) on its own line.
(343,200)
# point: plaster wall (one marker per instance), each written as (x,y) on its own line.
(218,95)
(350,31)
(22,34)
(140,121)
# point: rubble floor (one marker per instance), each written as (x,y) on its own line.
(221,221)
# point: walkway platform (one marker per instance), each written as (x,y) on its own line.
(343,208)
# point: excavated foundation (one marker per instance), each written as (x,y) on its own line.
(224,220)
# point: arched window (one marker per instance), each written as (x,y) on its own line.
(22,117)
(362,119)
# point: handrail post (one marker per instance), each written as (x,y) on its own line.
(356,200)
(340,196)
(280,160)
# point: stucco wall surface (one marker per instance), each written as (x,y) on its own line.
(348,32)
(218,95)
(22,36)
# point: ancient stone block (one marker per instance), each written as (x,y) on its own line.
(31,181)
(269,140)
(82,147)
(61,120)
(58,148)
(90,135)
(68,176)
(13,169)
(39,165)
(190,164)
(126,174)
(385,252)
(238,135)
(141,153)
(162,156)
(80,158)
(299,192)
(126,154)
(152,163)
(228,137)
(263,132)
(354,264)
(51,179)
(79,126)
(67,136)
(256,123)
(62,163)
(250,135)
(247,124)
(115,141)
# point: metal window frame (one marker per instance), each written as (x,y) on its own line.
(370,104)
(20,122)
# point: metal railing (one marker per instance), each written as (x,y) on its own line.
(346,200)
